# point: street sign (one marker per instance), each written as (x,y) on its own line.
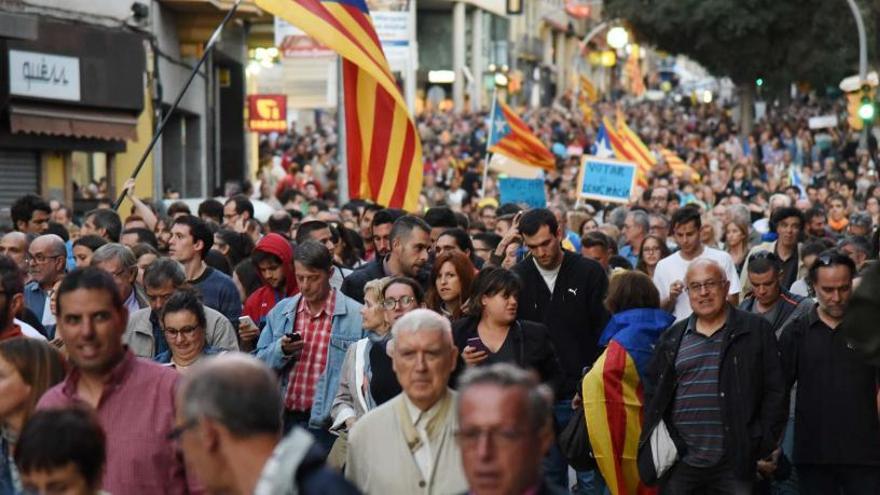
(527,191)
(267,113)
(604,179)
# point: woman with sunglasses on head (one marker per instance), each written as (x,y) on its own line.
(491,333)
(450,284)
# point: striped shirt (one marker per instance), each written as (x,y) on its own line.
(696,411)
(315,330)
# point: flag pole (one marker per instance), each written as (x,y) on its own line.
(342,178)
(215,36)
(489,139)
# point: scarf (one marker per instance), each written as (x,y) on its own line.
(434,426)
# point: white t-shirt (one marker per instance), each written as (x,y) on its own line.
(549,275)
(674,267)
(28,331)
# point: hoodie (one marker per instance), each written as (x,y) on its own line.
(264,299)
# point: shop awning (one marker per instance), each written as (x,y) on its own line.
(78,123)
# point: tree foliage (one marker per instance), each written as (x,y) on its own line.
(780,40)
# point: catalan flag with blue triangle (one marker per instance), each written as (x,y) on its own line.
(614,398)
(382,144)
(511,137)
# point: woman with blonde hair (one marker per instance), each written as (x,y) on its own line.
(28,368)
(736,242)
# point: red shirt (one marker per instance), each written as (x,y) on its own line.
(136,411)
(315,330)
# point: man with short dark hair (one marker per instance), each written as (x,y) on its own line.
(716,380)
(133,398)
(280,222)
(236,213)
(564,291)
(597,246)
(230,433)
(836,430)
(136,235)
(440,218)
(410,244)
(190,242)
(380,232)
(102,222)
(484,244)
(815,224)
(296,341)
(504,398)
(788,225)
(858,249)
(143,333)
(211,209)
(320,232)
(30,214)
(768,298)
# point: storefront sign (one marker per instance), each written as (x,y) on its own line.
(604,179)
(42,75)
(293,42)
(267,113)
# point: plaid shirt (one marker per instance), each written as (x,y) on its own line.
(315,330)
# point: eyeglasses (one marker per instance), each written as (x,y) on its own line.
(40,258)
(470,437)
(405,301)
(179,430)
(760,255)
(709,285)
(185,331)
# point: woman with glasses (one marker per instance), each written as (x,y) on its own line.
(653,250)
(183,322)
(450,284)
(400,296)
(28,368)
(491,333)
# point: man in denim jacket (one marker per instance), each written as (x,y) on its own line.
(305,339)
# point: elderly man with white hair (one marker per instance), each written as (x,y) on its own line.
(408,445)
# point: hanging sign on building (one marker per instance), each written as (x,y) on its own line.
(43,75)
(267,113)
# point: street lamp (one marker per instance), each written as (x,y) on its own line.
(617,37)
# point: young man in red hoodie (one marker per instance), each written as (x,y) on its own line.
(273,258)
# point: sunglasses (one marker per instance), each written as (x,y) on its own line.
(760,255)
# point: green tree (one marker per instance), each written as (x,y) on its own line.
(779,40)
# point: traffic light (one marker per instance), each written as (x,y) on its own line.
(866,106)
(759,82)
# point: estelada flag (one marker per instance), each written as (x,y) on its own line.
(645,160)
(614,398)
(588,90)
(383,147)
(511,137)
(624,150)
(678,166)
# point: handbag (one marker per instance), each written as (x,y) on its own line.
(657,455)
(574,442)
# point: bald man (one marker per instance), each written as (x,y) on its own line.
(46,259)
(717,376)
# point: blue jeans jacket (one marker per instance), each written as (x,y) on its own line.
(347,328)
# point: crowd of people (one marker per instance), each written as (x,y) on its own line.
(353,348)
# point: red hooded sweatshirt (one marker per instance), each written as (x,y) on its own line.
(264,299)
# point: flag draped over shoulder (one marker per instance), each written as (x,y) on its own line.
(383,148)
(511,137)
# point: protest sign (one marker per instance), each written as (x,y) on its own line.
(527,191)
(605,179)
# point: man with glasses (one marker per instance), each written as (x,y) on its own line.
(788,225)
(144,335)
(768,298)
(408,444)
(47,260)
(505,428)
(305,339)
(131,397)
(836,430)
(716,379)
(489,215)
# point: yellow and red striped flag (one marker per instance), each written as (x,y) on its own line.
(383,148)
(588,90)
(511,137)
(678,166)
(624,149)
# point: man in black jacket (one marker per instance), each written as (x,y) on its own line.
(768,298)
(564,291)
(836,430)
(410,245)
(717,382)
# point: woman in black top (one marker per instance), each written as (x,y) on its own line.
(492,334)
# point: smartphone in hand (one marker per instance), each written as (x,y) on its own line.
(246,321)
(477,344)
(294,336)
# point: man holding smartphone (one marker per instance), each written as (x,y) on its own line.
(305,339)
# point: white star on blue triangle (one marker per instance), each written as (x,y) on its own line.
(498,127)
(602,146)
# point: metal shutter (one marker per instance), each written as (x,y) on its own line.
(19,175)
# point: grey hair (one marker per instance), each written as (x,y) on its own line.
(641,219)
(539,397)
(376,286)
(422,320)
(740,213)
(314,255)
(55,242)
(235,389)
(162,271)
(706,262)
(115,251)
(617,216)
